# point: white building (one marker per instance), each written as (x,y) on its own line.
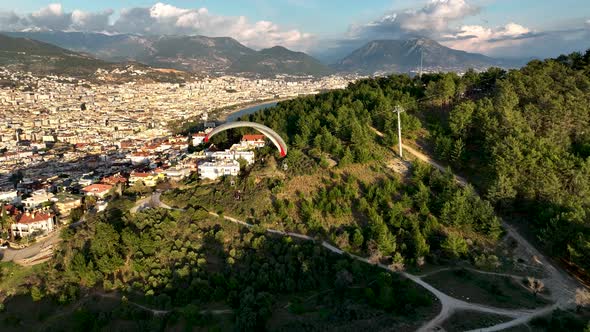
(214,170)
(37,199)
(87,179)
(101,205)
(139,158)
(10,196)
(248,156)
(30,222)
(177,173)
(198,138)
(99,190)
(253,141)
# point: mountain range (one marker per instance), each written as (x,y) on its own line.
(198,54)
(35,56)
(409,55)
(41,58)
(212,55)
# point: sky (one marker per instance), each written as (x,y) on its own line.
(501,28)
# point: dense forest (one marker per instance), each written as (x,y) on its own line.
(522,137)
(185,263)
(426,217)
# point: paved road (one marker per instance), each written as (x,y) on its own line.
(30,251)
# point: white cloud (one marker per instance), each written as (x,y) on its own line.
(53,9)
(50,17)
(91,21)
(161,18)
(432,19)
(441,20)
(476,38)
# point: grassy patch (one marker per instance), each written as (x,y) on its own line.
(498,291)
(14,276)
(355,308)
(470,320)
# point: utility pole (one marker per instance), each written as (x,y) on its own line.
(399,109)
(421,58)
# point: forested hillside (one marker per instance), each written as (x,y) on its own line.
(523,137)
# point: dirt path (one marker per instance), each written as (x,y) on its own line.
(432,162)
(422,157)
(449,303)
(159,312)
(562,285)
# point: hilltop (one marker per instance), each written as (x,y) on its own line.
(404,56)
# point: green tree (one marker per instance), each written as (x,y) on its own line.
(347,158)
(460,118)
(6,221)
(36,294)
(357,238)
(454,245)
(458,151)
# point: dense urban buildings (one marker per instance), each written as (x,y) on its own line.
(63,138)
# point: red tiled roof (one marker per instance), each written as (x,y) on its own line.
(114,180)
(10,209)
(29,218)
(253,137)
(141,154)
(97,188)
(140,174)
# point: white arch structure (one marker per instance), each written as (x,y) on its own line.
(271,134)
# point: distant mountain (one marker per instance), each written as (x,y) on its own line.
(404,56)
(44,59)
(193,53)
(279,60)
(35,56)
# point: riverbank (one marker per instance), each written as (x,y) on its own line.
(223,113)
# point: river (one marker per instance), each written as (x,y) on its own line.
(249,110)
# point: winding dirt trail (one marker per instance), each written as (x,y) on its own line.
(449,303)
(562,286)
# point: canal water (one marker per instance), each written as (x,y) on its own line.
(246,111)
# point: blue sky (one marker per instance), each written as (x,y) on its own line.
(505,27)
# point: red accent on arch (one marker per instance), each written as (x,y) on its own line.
(206,139)
(282,151)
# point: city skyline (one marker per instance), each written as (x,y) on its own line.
(496,28)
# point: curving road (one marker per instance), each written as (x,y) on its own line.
(32,250)
(449,303)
